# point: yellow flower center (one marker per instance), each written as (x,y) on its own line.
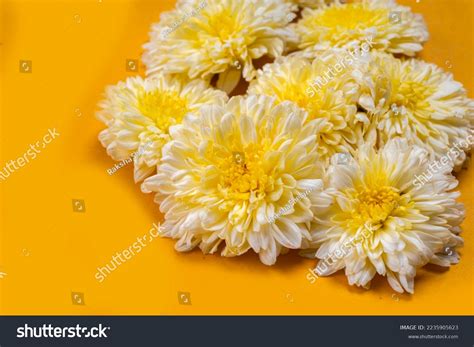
(223,25)
(243,174)
(412,95)
(165,108)
(338,21)
(314,105)
(298,94)
(319,104)
(375,204)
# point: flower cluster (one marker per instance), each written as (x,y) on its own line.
(326,146)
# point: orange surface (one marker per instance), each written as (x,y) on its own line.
(48,251)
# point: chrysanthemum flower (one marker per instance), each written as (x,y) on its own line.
(415,100)
(324,88)
(312,3)
(246,175)
(218,37)
(139,112)
(383,222)
(391,27)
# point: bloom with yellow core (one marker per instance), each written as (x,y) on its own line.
(219,37)
(139,112)
(328,94)
(393,28)
(245,176)
(418,101)
(382,223)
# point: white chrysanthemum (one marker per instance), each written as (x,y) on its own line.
(246,175)
(324,88)
(218,37)
(384,221)
(312,3)
(138,113)
(390,27)
(417,101)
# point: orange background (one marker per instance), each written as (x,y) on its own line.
(49,251)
